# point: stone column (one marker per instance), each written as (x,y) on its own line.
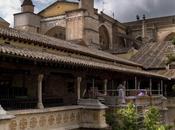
(105,87)
(139,82)
(93,88)
(40,100)
(161,87)
(79,79)
(150,86)
(135,83)
(126,88)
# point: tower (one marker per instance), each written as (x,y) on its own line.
(83,24)
(27,20)
(27,6)
(87,4)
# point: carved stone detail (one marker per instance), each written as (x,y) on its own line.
(51,120)
(65,118)
(72,117)
(33,122)
(42,121)
(23,124)
(58,118)
(78,116)
(13,125)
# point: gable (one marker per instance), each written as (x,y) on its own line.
(58,8)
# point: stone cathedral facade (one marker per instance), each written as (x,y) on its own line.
(61,68)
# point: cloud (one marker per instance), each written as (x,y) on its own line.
(8,8)
(124,10)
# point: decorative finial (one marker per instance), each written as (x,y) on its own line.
(137,17)
(144,16)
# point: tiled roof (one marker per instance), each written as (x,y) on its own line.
(36,55)
(154,55)
(44,40)
(167,72)
(2,20)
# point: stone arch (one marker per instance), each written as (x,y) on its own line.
(57,32)
(170,36)
(139,38)
(104,38)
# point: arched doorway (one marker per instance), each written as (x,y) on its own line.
(57,32)
(104,38)
(170,37)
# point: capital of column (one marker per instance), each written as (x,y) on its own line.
(105,81)
(79,79)
(40,77)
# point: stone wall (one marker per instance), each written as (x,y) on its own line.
(75,25)
(27,21)
(62,118)
(171,111)
(49,23)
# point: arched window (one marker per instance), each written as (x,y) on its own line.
(57,32)
(170,37)
(104,37)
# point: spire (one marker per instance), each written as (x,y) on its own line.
(27,6)
(27,2)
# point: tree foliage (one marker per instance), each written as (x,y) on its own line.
(127,119)
(123,119)
(152,120)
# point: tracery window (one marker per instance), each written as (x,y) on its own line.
(104,38)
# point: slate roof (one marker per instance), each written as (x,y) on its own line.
(154,54)
(32,54)
(51,42)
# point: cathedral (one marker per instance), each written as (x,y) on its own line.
(61,68)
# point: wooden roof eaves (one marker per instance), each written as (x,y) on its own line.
(92,64)
(71,50)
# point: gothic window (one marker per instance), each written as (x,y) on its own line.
(104,38)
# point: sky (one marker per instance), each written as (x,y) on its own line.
(122,10)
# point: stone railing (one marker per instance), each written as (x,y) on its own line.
(171,111)
(171,102)
(85,115)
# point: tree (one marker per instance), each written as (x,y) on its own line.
(127,119)
(152,120)
(123,119)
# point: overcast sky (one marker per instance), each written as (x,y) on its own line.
(124,10)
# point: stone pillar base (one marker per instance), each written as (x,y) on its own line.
(40,106)
(93,114)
